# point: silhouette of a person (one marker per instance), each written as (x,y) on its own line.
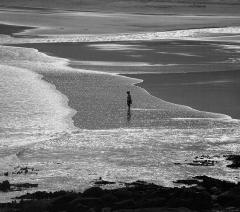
(129,101)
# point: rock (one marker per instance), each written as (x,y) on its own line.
(201,200)
(206,194)
(62,202)
(141,186)
(5,186)
(190,199)
(209,182)
(103,182)
(35,205)
(177,163)
(215,190)
(92,210)
(87,201)
(65,198)
(214,198)
(161,209)
(125,204)
(202,163)
(148,203)
(78,208)
(235,161)
(21,186)
(109,199)
(106,209)
(123,193)
(42,195)
(24,170)
(230,198)
(178,202)
(199,188)
(93,192)
(187,182)
(162,192)
(138,183)
(203,157)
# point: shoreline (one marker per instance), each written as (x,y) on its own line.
(66,90)
(63,103)
(218,100)
(69,112)
(71,85)
(11,29)
(186,89)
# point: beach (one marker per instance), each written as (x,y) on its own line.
(211,91)
(193,73)
(77,128)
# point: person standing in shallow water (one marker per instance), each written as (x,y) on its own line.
(129,101)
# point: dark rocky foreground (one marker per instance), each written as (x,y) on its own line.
(235,159)
(202,194)
(5,186)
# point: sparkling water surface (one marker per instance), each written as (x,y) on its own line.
(36,129)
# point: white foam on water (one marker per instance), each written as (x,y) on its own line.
(33,60)
(208,82)
(131,154)
(122,63)
(9,162)
(31,109)
(227,39)
(118,47)
(223,119)
(234,48)
(195,34)
(144,109)
(180,54)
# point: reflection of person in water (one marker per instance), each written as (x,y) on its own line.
(129,101)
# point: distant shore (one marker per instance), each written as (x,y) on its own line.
(210,7)
(60,21)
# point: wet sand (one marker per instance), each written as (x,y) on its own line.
(6,29)
(206,91)
(100,102)
(214,87)
(164,56)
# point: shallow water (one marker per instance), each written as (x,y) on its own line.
(37,129)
